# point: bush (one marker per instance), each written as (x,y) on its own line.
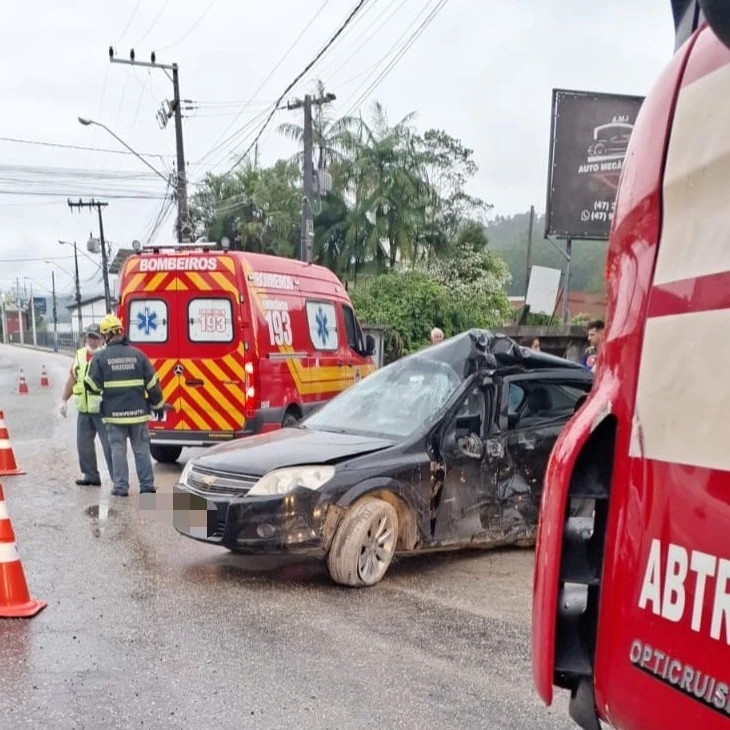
(457,293)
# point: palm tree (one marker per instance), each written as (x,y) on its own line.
(386,172)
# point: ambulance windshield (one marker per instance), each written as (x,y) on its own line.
(392,403)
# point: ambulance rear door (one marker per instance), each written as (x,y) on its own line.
(211,363)
(149,314)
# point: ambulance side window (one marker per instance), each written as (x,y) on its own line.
(147,320)
(322,321)
(210,320)
(354,335)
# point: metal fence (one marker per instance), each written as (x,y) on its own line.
(64,341)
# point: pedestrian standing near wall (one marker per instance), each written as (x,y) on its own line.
(130,391)
(88,422)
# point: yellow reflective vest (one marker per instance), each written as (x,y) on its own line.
(85,402)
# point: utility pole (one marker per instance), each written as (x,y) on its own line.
(529,249)
(307,236)
(5,320)
(168,110)
(55,311)
(32,316)
(78,292)
(19,305)
(104,259)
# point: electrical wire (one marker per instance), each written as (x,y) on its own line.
(154,23)
(42,258)
(216,144)
(192,27)
(340,65)
(306,69)
(244,133)
(129,22)
(95,192)
(60,145)
(335,63)
(401,52)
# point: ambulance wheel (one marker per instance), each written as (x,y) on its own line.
(165,454)
(364,544)
(291,418)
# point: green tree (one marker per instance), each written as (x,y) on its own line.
(409,303)
(257,209)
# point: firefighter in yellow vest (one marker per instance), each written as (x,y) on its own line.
(88,423)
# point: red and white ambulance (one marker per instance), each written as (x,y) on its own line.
(631,608)
(243,343)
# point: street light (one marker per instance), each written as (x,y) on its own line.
(88,122)
(78,285)
(32,310)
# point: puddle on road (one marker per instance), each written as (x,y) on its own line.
(94,511)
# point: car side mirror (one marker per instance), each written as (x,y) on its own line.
(369,345)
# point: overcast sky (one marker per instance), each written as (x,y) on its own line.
(483,70)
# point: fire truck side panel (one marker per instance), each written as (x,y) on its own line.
(632,250)
(664,622)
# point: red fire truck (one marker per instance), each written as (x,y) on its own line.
(631,606)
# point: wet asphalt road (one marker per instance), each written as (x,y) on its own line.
(147,629)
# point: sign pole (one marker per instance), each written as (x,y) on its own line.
(566,284)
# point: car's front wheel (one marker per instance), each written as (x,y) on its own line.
(364,544)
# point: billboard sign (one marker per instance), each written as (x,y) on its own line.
(40,305)
(589,136)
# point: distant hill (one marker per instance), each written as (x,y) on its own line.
(507,237)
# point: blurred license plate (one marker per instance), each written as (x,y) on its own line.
(194,515)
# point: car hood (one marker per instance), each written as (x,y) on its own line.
(257,455)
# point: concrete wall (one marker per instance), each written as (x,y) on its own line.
(566,341)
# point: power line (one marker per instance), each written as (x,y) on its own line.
(324,50)
(192,27)
(17,140)
(66,193)
(153,24)
(243,134)
(402,51)
(42,258)
(337,66)
(334,63)
(216,145)
(129,22)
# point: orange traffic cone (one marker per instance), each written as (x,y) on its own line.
(45,383)
(22,385)
(15,601)
(8,466)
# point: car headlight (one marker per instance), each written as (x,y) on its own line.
(281,481)
(186,473)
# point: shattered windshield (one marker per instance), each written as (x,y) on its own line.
(392,402)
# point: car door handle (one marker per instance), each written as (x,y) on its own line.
(194,382)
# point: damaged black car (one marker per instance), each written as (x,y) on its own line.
(442,449)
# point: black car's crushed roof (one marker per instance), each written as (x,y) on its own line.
(477,349)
